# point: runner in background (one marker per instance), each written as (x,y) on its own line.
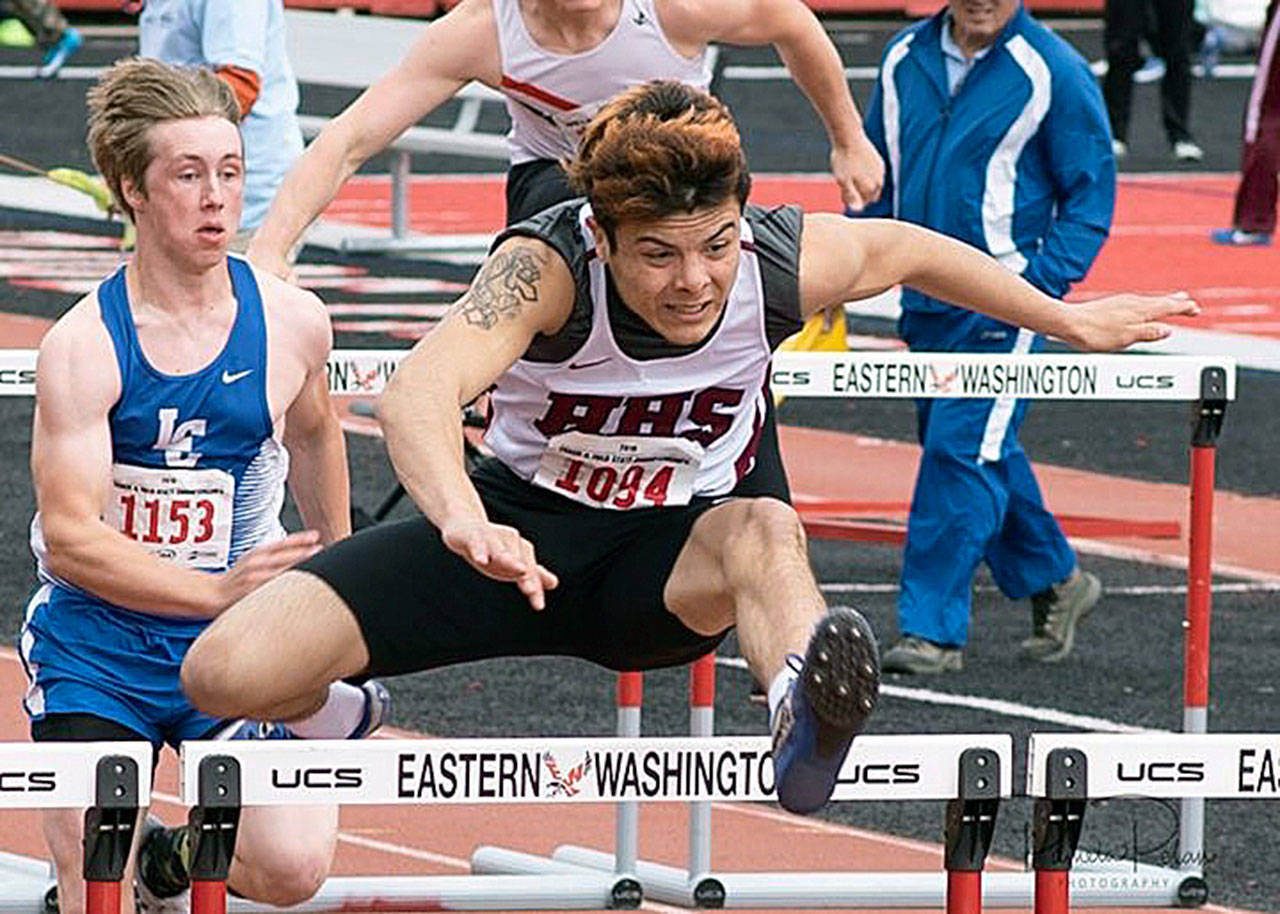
(557,62)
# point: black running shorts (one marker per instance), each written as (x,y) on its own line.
(533,186)
(420,606)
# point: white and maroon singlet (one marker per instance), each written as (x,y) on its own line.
(613,431)
(550,96)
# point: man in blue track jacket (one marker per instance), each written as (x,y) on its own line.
(993,131)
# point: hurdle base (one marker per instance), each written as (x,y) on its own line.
(563,891)
(1109,885)
(23,883)
(487,860)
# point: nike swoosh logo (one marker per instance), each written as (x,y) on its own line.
(229,377)
(574,366)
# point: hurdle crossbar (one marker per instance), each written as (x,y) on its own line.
(892,375)
(109,780)
(573,769)
(51,775)
(1065,770)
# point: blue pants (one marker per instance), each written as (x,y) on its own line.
(976,498)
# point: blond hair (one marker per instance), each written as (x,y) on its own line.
(657,149)
(134,95)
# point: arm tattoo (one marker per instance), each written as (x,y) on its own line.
(507,281)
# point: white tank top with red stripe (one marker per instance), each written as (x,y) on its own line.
(612,431)
(551,97)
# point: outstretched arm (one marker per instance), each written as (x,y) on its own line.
(453,50)
(522,289)
(813,61)
(842,260)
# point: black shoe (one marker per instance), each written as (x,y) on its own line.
(163,872)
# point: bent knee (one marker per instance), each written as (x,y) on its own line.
(283,877)
(209,677)
(773,524)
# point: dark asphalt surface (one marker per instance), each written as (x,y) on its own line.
(1127,667)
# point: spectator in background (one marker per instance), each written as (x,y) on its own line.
(993,131)
(1125,25)
(1254,219)
(55,37)
(243,41)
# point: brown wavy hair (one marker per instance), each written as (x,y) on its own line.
(657,149)
(134,95)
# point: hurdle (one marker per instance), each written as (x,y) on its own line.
(220,778)
(1210,384)
(110,781)
(971,772)
(1065,770)
(1205,381)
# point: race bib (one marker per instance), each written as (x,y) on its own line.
(620,472)
(181,516)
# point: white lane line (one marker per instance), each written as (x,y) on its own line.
(1134,590)
(991,705)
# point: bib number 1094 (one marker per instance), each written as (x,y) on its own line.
(622,490)
(620,472)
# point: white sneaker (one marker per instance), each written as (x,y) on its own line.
(1187,151)
(377,708)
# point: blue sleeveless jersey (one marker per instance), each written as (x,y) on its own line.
(198,478)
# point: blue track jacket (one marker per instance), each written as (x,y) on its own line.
(1017,163)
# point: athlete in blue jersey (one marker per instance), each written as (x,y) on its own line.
(172,403)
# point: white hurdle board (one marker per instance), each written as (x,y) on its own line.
(63,775)
(893,375)
(1042,376)
(1241,766)
(1039,376)
(575,770)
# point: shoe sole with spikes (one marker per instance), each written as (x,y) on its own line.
(828,706)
